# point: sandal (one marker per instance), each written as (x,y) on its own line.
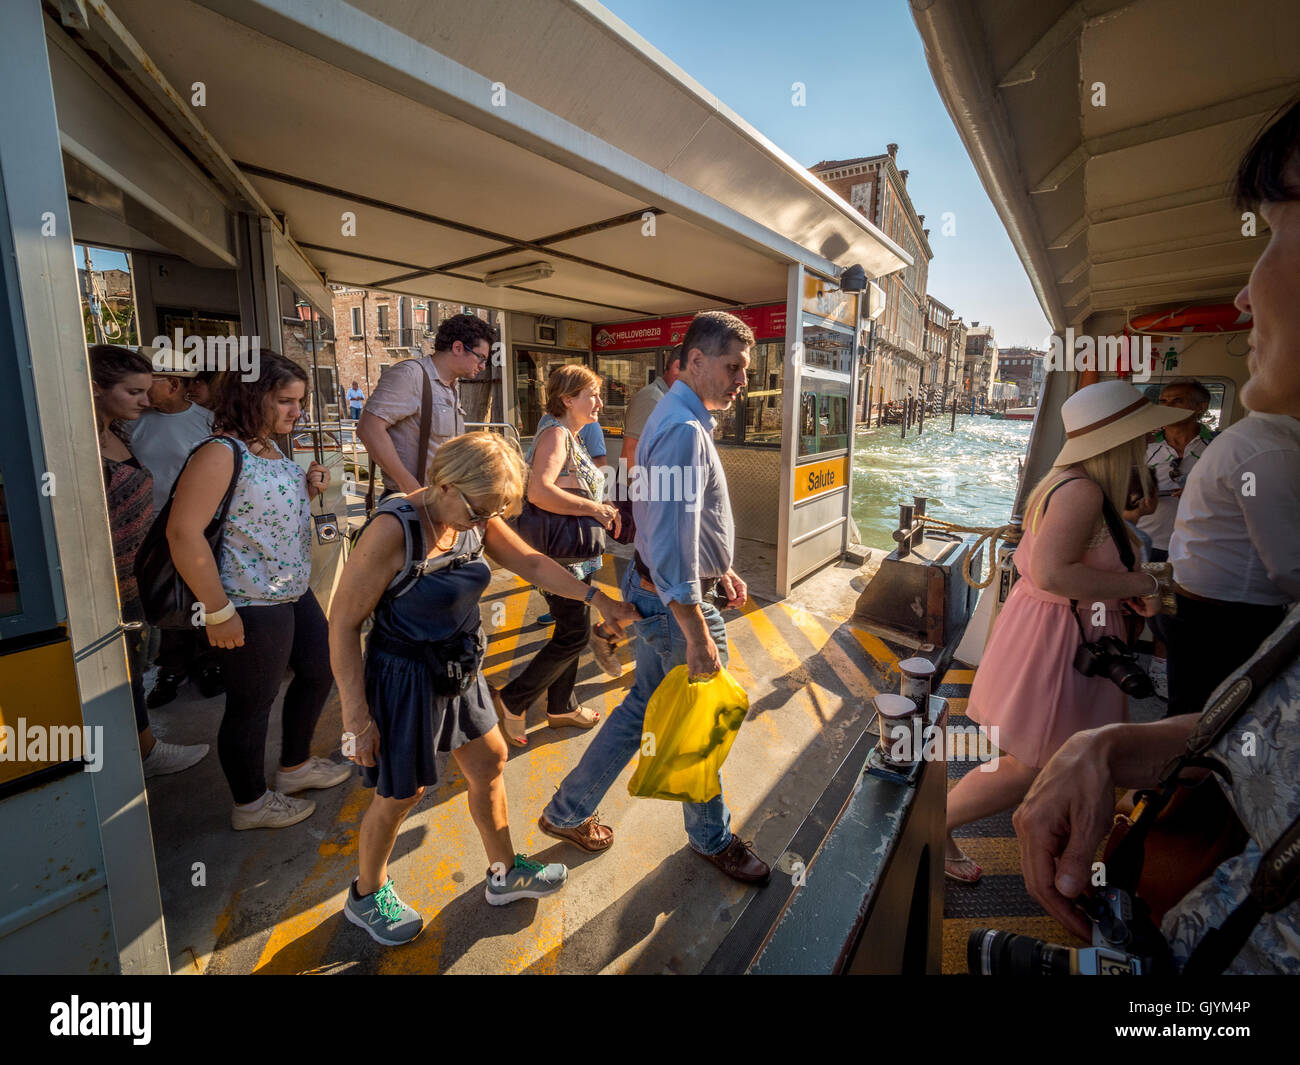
(950,863)
(514,728)
(579,718)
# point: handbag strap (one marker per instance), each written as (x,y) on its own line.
(1114,525)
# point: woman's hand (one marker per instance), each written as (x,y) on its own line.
(1148,605)
(318,479)
(615,612)
(360,738)
(606,514)
(228,634)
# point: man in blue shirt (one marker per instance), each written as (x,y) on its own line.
(356,401)
(685,541)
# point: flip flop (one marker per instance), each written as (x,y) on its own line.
(514,728)
(948,863)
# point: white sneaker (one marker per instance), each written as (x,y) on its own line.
(172,758)
(277,811)
(317,773)
(1159,674)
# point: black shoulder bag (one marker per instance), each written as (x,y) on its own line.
(167,600)
(566,538)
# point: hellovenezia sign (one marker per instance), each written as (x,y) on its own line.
(767,323)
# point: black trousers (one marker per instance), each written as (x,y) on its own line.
(135,659)
(554,669)
(293,635)
(184,651)
(1206,642)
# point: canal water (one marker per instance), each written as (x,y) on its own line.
(968,476)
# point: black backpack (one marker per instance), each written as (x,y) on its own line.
(417,565)
(167,600)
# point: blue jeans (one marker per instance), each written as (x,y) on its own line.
(661,646)
(355,411)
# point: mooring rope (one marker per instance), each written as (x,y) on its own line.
(1008,534)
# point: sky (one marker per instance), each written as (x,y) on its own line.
(867,85)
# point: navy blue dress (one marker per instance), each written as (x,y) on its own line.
(414,723)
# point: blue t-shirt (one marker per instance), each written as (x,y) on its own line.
(593,439)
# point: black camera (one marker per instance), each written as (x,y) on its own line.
(1125,942)
(1110,657)
(327,528)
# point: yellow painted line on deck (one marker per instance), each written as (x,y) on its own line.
(504,638)
(292,947)
(877,649)
(786,658)
(959,676)
(850,674)
(751,683)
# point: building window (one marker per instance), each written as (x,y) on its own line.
(357,329)
(383,310)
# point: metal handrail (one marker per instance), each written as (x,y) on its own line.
(497,425)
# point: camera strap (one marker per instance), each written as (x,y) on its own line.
(1276,884)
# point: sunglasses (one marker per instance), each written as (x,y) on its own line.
(474,516)
(1174,464)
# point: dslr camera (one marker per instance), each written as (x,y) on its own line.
(1125,942)
(1110,657)
(327,528)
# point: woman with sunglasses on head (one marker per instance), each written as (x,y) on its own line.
(418,567)
(258,604)
(564,480)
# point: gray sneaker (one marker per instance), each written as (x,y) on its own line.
(384,915)
(526,880)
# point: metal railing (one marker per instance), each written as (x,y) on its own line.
(506,427)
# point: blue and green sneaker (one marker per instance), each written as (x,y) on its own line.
(384,915)
(525,880)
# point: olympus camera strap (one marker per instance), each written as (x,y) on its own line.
(1277,879)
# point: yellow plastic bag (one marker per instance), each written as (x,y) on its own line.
(689,728)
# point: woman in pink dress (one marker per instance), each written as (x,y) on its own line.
(1027,696)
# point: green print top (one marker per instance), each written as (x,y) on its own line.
(266,544)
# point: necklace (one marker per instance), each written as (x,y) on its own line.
(437,536)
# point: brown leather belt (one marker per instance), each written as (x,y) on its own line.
(707,588)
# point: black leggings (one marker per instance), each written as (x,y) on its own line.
(554,669)
(284,634)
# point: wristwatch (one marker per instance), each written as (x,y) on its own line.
(590,594)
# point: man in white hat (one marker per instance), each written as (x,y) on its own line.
(162,440)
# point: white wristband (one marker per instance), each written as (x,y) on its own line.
(218,616)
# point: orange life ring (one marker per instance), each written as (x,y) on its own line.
(1205,318)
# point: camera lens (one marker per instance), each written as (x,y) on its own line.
(992,953)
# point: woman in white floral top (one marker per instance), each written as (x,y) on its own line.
(257,603)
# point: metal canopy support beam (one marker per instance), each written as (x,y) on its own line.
(509,244)
(1260,103)
(337,33)
(1074,18)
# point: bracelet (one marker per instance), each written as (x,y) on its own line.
(591,592)
(358,735)
(1156,581)
(218,616)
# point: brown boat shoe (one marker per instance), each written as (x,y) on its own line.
(739,862)
(590,835)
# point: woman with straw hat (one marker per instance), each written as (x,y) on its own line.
(1027,696)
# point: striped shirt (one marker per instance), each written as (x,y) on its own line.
(129,487)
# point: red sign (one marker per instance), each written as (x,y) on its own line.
(767,322)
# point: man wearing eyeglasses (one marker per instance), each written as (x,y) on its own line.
(390,425)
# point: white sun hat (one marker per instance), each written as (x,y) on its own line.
(1107,414)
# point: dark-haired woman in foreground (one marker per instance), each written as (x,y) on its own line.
(256,596)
